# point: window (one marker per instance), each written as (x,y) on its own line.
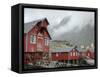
(57,55)
(33,39)
(46,41)
(73,53)
(88,54)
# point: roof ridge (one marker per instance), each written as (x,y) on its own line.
(36,20)
(29,25)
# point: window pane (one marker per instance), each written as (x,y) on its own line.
(46,41)
(73,53)
(32,39)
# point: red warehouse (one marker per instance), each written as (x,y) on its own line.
(36,41)
(87,53)
(63,53)
(90,53)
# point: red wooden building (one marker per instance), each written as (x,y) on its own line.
(65,54)
(36,41)
(87,53)
(90,53)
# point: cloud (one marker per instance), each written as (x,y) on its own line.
(74,23)
(65,24)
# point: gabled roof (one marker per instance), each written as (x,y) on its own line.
(85,50)
(68,49)
(28,26)
(61,49)
(90,49)
(81,49)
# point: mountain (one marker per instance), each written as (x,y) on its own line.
(85,36)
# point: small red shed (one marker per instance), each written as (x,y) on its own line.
(61,52)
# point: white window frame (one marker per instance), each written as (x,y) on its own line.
(57,54)
(33,39)
(46,41)
(88,54)
(73,53)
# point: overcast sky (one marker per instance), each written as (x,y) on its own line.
(74,26)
